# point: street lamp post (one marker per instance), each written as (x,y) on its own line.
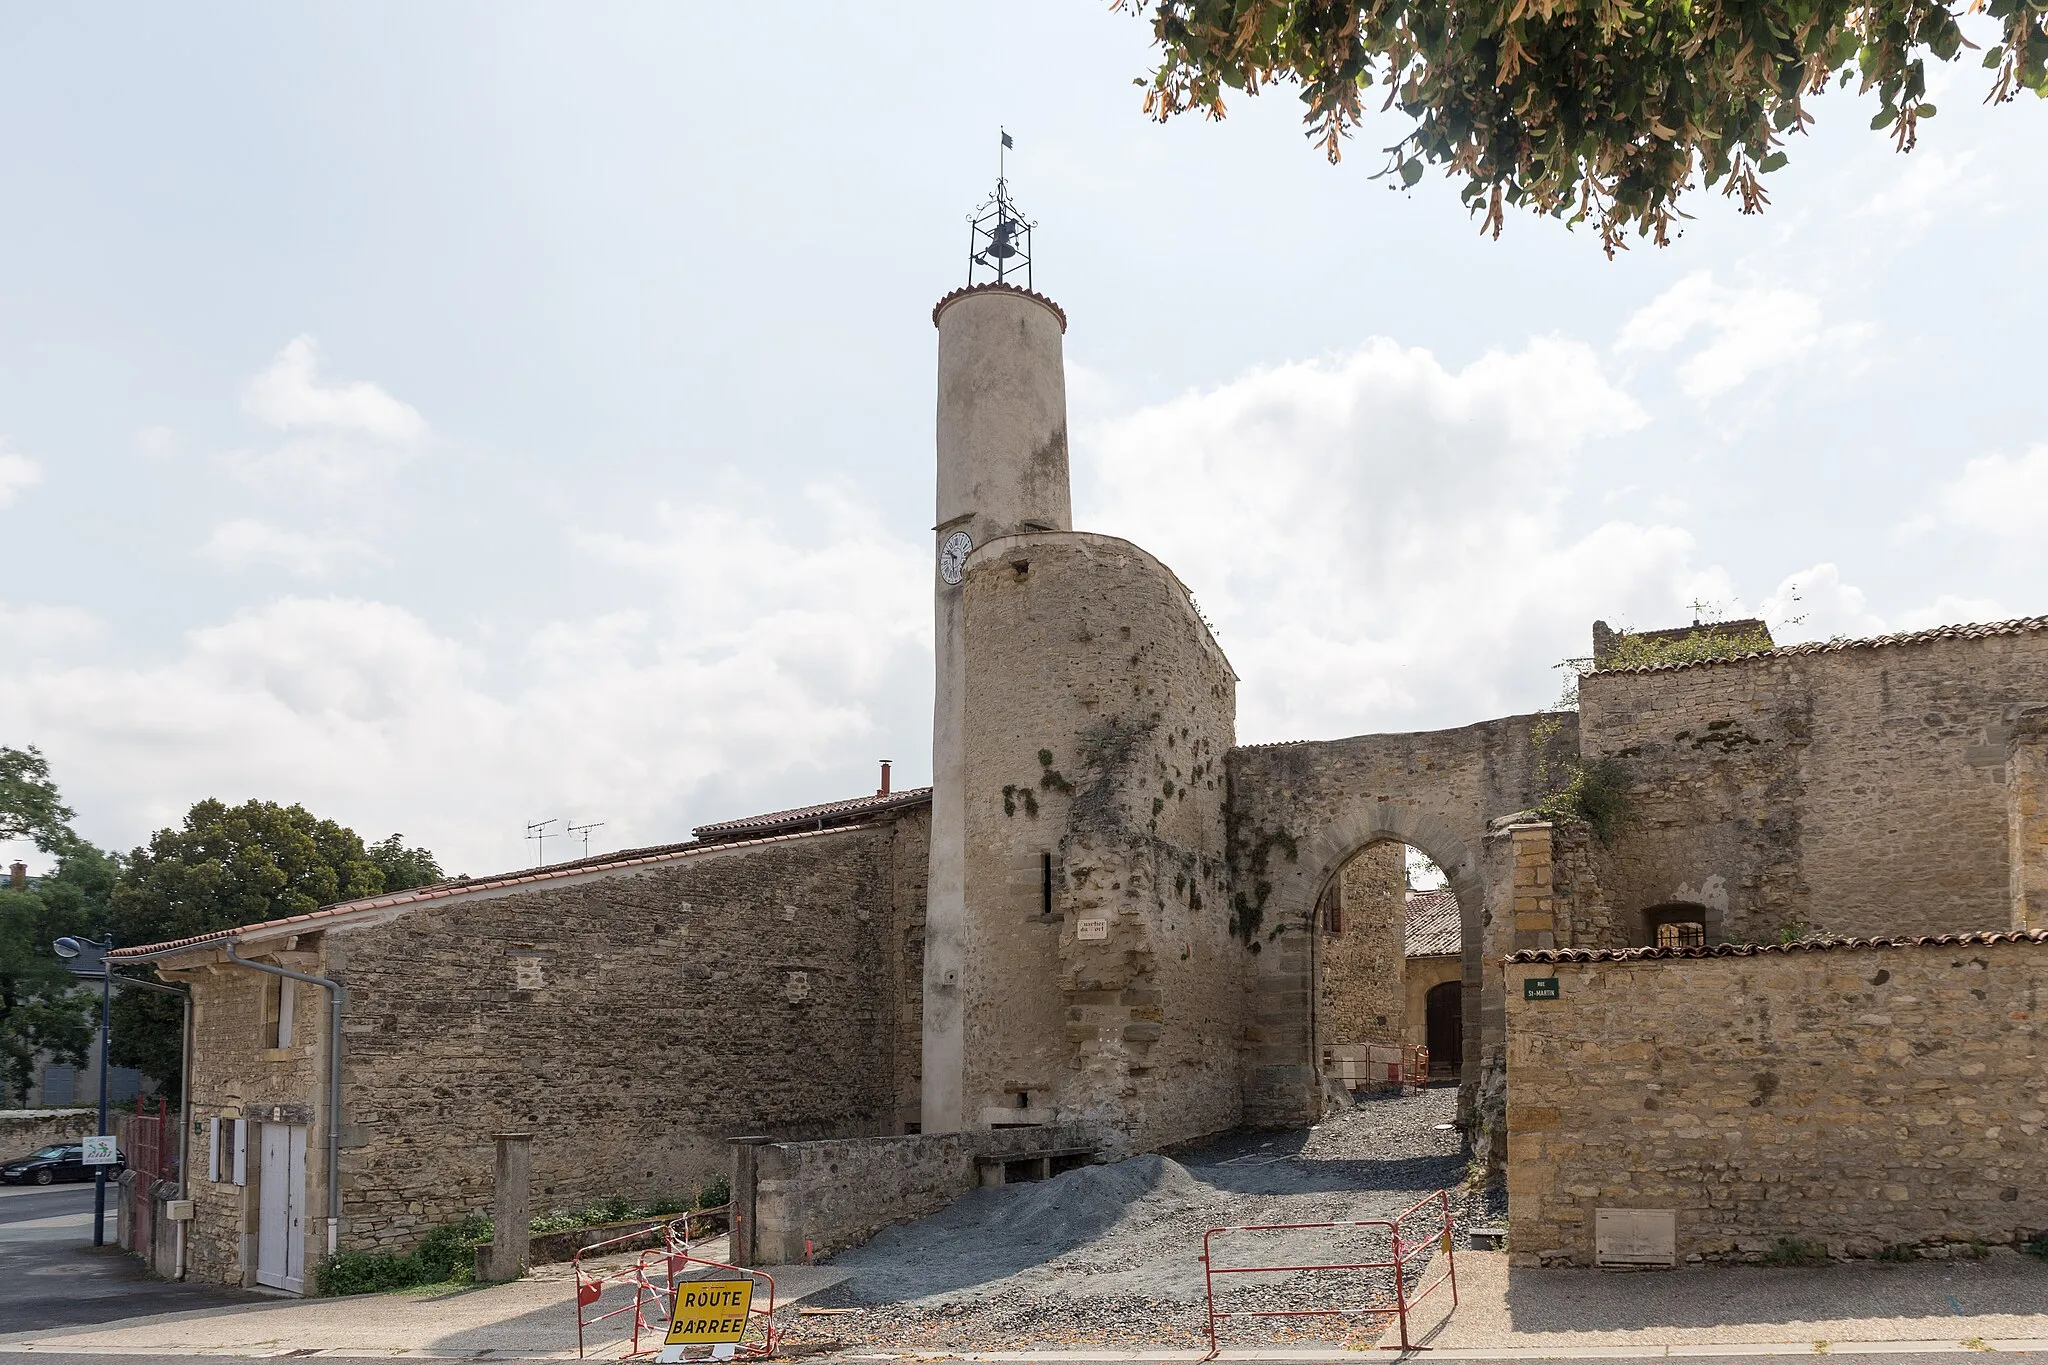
(68,948)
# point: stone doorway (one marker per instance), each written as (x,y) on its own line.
(1444,1023)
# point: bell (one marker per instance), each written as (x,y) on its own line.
(999,244)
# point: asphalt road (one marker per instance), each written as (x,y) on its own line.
(54,1277)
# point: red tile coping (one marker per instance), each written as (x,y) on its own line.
(993,288)
(2024,625)
(327,914)
(1807,945)
(802,815)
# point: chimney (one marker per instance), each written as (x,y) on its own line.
(884,791)
(17,875)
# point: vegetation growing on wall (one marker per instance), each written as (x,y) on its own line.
(1248,911)
(1595,793)
(1701,645)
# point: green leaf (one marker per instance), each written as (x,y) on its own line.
(1884,117)
(1775,161)
(1926,111)
(1411,171)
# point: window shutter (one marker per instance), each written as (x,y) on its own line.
(284,1010)
(213,1150)
(241,1151)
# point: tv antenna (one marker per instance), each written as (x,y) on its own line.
(573,830)
(538,832)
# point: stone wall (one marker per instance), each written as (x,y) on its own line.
(25,1130)
(631,1021)
(2026,797)
(1858,789)
(1851,1097)
(1098,713)
(815,1198)
(1359,995)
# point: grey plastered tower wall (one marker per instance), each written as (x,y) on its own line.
(1002,470)
(1102,987)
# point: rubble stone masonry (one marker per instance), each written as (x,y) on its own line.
(631,1022)
(1856,790)
(1851,1098)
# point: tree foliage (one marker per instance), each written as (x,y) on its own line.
(42,1006)
(403,868)
(30,807)
(1603,111)
(227,866)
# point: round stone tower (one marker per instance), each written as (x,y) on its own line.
(1002,471)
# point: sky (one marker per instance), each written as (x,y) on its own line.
(453,417)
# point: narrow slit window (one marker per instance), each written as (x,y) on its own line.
(1045,884)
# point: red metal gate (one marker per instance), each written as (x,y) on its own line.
(1432,1216)
(652,1282)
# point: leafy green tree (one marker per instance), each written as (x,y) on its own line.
(227,866)
(30,807)
(1604,111)
(404,868)
(42,1007)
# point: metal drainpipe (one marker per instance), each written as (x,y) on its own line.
(337,996)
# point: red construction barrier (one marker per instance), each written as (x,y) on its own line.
(652,1279)
(1409,1289)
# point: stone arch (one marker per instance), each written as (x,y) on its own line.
(1287,1085)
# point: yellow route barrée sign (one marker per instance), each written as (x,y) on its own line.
(710,1311)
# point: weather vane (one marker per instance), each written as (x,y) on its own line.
(999,237)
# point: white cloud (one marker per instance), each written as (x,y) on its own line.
(1913,196)
(1748,332)
(289,394)
(1999,495)
(246,542)
(764,660)
(339,436)
(18,473)
(1816,604)
(1382,541)
(156,443)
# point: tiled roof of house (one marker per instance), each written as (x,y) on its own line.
(1808,945)
(812,817)
(1434,928)
(2025,625)
(328,916)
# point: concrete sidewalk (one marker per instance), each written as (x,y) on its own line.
(1999,1304)
(530,1318)
(2002,1298)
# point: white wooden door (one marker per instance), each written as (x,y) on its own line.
(281,1209)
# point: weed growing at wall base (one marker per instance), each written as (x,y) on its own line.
(444,1256)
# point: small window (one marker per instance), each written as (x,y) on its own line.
(1331,907)
(1681,933)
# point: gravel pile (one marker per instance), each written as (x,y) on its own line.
(1110,1255)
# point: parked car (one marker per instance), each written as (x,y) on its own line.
(51,1164)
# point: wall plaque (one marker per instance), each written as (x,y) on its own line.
(1539,988)
(1088,930)
(1635,1237)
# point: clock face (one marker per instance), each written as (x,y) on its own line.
(953,556)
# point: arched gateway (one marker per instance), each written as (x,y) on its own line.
(1301,811)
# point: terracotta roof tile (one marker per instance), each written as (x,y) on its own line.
(327,915)
(802,816)
(2025,625)
(1434,927)
(1808,945)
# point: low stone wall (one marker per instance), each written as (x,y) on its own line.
(24,1130)
(836,1194)
(1854,1096)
